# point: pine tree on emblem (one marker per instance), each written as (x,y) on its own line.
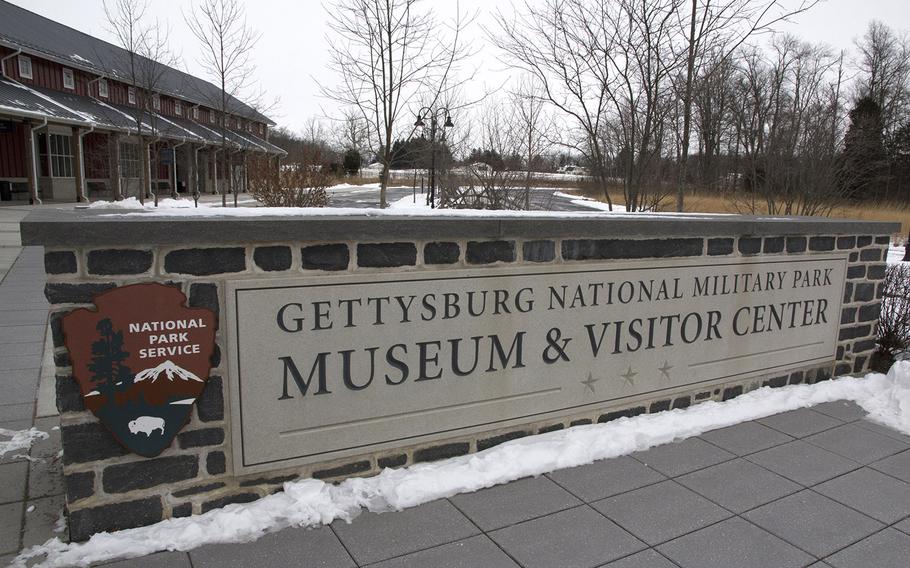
(107,358)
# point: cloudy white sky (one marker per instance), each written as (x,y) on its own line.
(292,54)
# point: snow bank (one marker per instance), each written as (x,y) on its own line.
(131,203)
(19,439)
(312,502)
(896,254)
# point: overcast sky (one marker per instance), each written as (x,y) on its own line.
(292,54)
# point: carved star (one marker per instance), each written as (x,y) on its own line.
(589,383)
(665,370)
(629,376)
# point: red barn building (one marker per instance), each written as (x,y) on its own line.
(78,122)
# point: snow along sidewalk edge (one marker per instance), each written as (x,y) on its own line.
(311,502)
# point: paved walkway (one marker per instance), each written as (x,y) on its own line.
(820,487)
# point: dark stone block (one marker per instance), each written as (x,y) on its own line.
(732,392)
(83,523)
(776,382)
(119,261)
(551,428)
(864,346)
(393,461)
(201,438)
(854,256)
(272,259)
(487,252)
(880,291)
(62,359)
(604,249)
(215,359)
(796,244)
(865,292)
(215,463)
(659,406)
(625,413)
(120,478)
(749,245)
(821,243)
(876,271)
(843,369)
(343,470)
(839,353)
(205,261)
(496,440)
(870,255)
(538,251)
(773,245)
(441,253)
(682,402)
(859,364)
(718,247)
(702,396)
(182,510)
(325,257)
(822,375)
(63,293)
(883,240)
(268,480)
(198,489)
(848,333)
(797,378)
(60,262)
(846,243)
(863,241)
(870,312)
(56,324)
(848,315)
(848,292)
(69,398)
(88,442)
(581,422)
(79,486)
(210,406)
(858,271)
(441,452)
(385,255)
(229,500)
(205,296)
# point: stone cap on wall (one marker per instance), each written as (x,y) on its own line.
(105,227)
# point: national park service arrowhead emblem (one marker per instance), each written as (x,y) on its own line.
(141,360)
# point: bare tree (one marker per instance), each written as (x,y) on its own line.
(227,42)
(145,60)
(390,53)
(884,73)
(530,125)
(715,30)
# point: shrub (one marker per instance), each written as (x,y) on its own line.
(296,185)
(893,331)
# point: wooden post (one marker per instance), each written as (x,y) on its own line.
(32,164)
(79,165)
(113,151)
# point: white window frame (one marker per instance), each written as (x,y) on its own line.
(156,102)
(25,67)
(69,79)
(131,95)
(103,91)
(129,159)
(178,108)
(60,155)
(195,113)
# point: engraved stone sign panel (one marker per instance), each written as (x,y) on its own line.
(332,366)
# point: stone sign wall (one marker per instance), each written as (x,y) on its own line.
(344,346)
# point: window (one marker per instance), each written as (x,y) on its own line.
(156,102)
(61,155)
(131,95)
(25,67)
(129,160)
(195,113)
(178,108)
(249,126)
(69,81)
(102,88)
(261,130)
(211,116)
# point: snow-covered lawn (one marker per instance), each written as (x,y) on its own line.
(311,502)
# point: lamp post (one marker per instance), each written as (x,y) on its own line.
(434,116)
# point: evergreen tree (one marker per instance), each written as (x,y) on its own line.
(107,358)
(863,167)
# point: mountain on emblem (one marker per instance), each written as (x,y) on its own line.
(170,370)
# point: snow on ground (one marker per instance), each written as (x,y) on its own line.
(588,202)
(896,254)
(312,502)
(12,440)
